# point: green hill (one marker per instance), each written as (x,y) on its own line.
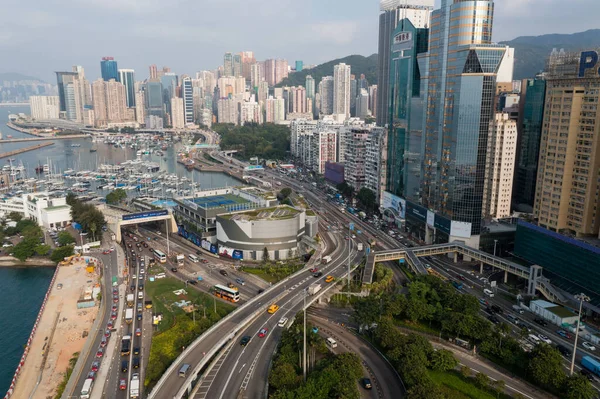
(531,52)
(358,64)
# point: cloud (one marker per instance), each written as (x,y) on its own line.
(338,32)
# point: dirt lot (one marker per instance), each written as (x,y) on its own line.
(59,334)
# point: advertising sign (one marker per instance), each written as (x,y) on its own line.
(142,215)
(587,60)
(403,37)
(394,203)
(416,211)
(443,224)
(430,219)
(460,229)
(237,254)
(206,245)
(253,167)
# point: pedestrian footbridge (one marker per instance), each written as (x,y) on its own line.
(411,256)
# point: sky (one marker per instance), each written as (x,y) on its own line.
(38,37)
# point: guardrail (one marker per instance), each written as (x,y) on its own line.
(216,326)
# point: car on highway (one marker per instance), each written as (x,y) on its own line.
(240,281)
(541,322)
(588,346)
(138,332)
(107,333)
(460,276)
(95,366)
(122,384)
(100,352)
(273,308)
(91,375)
(245,339)
(145,245)
(317,274)
(314,270)
(106,252)
(282,322)
(141,287)
(563,350)
(124,366)
(139,316)
(588,374)
(103,342)
(114,308)
(493,319)
(366,383)
(136,350)
(223,272)
(484,302)
(263,332)
(497,309)
(564,334)
(545,339)
(110,324)
(113,315)
(230,285)
(192,282)
(329,279)
(132,287)
(136,363)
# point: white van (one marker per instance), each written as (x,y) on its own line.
(86,390)
(534,339)
(140,294)
(183,370)
(331,343)
(193,258)
(488,293)
(517,308)
(282,322)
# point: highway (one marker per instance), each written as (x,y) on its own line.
(110,269)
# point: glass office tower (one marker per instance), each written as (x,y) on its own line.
(127,78)
(108,69)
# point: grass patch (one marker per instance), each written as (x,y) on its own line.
(273,273)
(63,384)
(457,386)
(177,328)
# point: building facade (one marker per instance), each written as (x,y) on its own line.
(326,88)
(324,149)
(418,12)
(177,118)
(44,107)
(341,90)
(187,93)
(109,69)
(228,110)
(275,110)
(127,78)
(568,177)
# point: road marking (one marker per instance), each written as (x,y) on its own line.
(243,365)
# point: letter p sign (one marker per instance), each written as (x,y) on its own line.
(588,60)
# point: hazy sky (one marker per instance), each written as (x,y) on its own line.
(38,37)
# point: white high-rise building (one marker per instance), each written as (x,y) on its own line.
(178,111)
(324,149)
(250,112)
(341,90)
(228,110)
(256,75)
(44,107)
(275,110)
(299,128)
(140,107)
(500,167)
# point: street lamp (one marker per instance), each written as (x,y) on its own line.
(81,234)
(581,298)
(495,242)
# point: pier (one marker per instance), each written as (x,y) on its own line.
(73,136)
(22,150)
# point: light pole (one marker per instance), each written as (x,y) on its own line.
(495,242)
(581,298)
(304,340)
(81,234)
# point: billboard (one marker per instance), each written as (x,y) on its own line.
(253,167)
(230,252)
(394,203)
(443,224)
(430,219)
(143,215)
(460,229)
(416,211)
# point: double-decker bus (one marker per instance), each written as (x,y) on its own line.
(160,256)
(229,294)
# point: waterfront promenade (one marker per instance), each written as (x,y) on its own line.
(60,332)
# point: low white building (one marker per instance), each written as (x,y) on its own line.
(46,210)
(552,312)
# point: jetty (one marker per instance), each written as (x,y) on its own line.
(22,150)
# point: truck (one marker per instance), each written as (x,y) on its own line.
(128,315)
(326,259)
(86,390)
(126,345)
(359,246)
(134,386)
(314,288)
(591,364)
(130,299)
(180,260)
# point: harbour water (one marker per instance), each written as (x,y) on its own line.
(21,293)
(22,290)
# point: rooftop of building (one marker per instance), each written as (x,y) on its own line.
(56,208)
(216,201)
(281,212)
(561,312)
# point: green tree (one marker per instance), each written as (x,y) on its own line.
(442,360)
(116,196)
(578,386)
(283,376)
(465,371)
(345,189)
(26,248)
(367,310)
(498,386)
(425,389)
(42,249)
(65,238)
(285,192)
(60,253)
(15,216)
(24,224)
(545,366)
(71,199)
(265,255)
(367,198)
(482,380)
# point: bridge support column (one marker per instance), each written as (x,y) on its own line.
(480,267)
(505,276)
(455,257)
(535,272)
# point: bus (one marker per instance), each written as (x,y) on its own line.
(86,390)
(226,293)
(160,256)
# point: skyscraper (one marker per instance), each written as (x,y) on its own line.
(109,102)
(247,61)
(154,99)
(326,94)
(177,118)
(63,80)
(153,72)
(568,178)
(441,120)
(44,107)
(255,76)
(299,65)
(419,13)
(341,90)
(531,115)
(237,65)
(228,64)
(270,74)
(188,102)
(353,94)
(362,104)
(127,78)
(108,69)
(310,87)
